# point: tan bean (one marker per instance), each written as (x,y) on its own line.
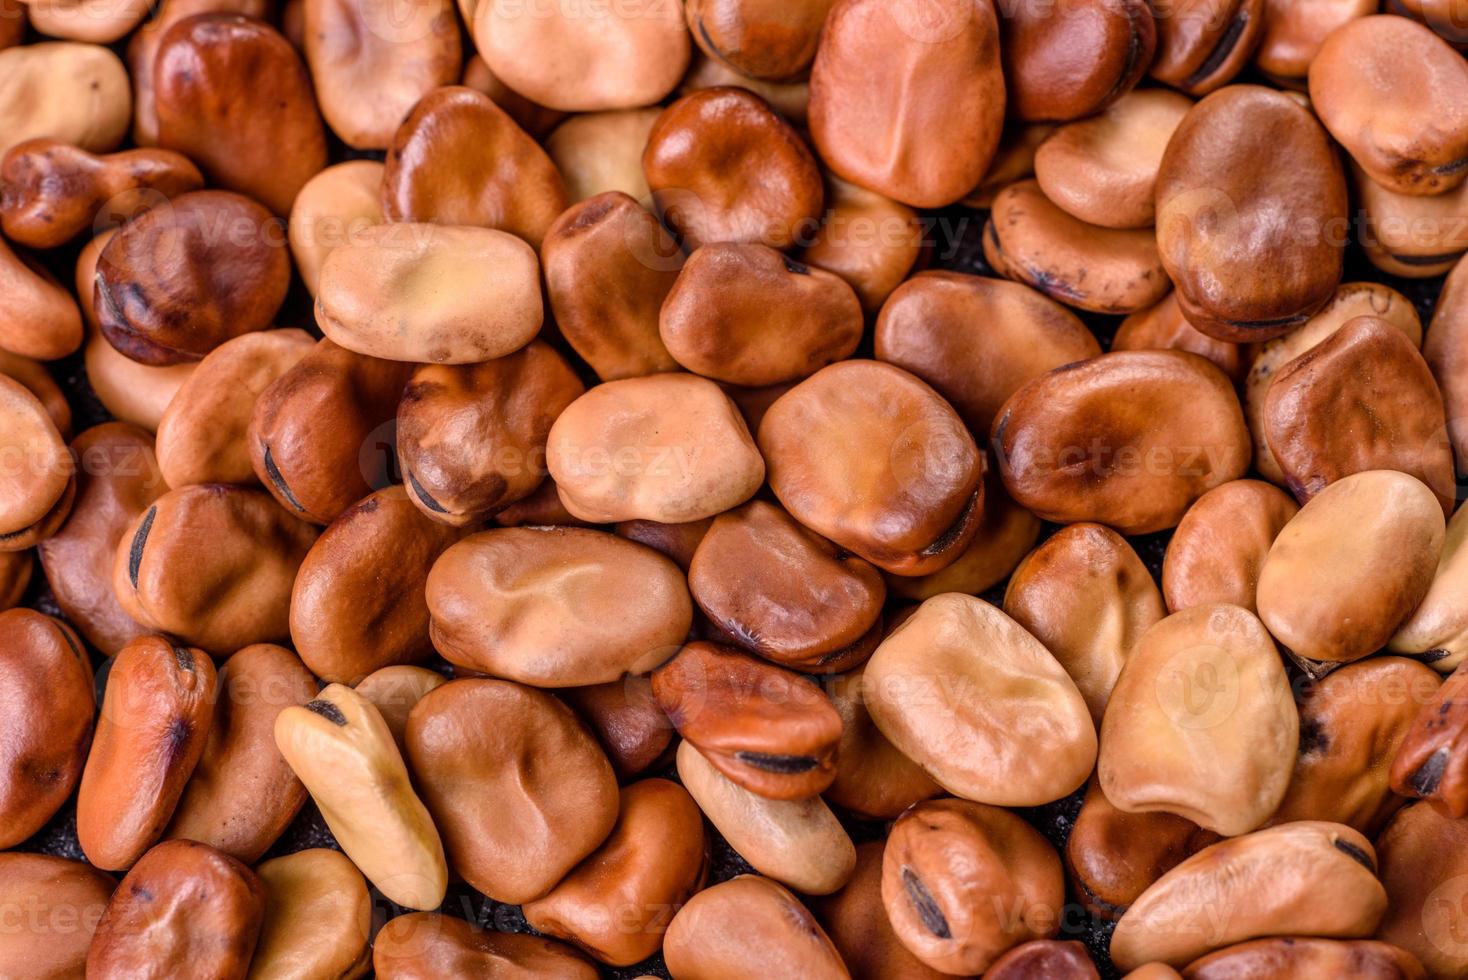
(427,945)
(1437,630)
(871,241)
(1422,868)
(394,691)
(1220,545)
(597,152)
(775,935)
(62,902)
(1445,350)
(40,320)
(77,93)
(332,209)
(1163,327)
(1303,956)
(1410,235)
(318,918)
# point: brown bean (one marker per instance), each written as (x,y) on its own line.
(1445,350)
(543,508)
(627,721)
(585,59)
(977,340)
(1351,566)
(799,843)
(597,152)
(77,93)
(1410,235)
(1219,547)
(242,794)
(886,77)
(97,21)
(519,788)
(54,191)
(1293,34)
(1303,956)
(40,319)
(357,600)
(1393,93)
(1388,416)
(867,455)
(964,882)
(1086,596)
(1045,957)
(1112,856)
(784,592)
(1298,879)
(749,926)
(156,714)
(870,241)
(790,98)
(1105,270)
(39,493)
(394,690)
(1248,172)
(610,239)
(185,909)
(1018,735)
(427,945)
(873,778)
(332,209)
(318,918)
(748,315)
(15,577)
(1223,760)
(668,447)
(471,438)
(176,282)
(556,607)
(241,552)
(1162,326)
(319,438)
(617,903)
(430,293)
(1422,868)
(1202,44)
(36,378)
(458,159)
(1437,631)
(370,62)
(676,541)
(117,480)
(725,167)
(1073,59)
(765,728)
(1350,300)
(1430,762)
(202,435)
(340,748)
(531,116)
(47,726)
(1352,722)
(856,921)
(1013,161)
(62,902)
(232,94)
(761,38)
(1128,439)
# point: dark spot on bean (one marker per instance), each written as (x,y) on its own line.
(425,496)
(796,268)
(135,550)
(184,658)
(1355,854)
(1220,51)
(925,905)
(955,530)
(328,711)
(1313,737)
(789,764)
(273,471)
(1429,775)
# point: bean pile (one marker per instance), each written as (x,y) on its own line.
(718,489)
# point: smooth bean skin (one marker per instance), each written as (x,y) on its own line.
(332,209)
(1409,235)
(556,607)
(471,438)
(242,551)
(759,38)
(37,496)
(242,795)
(1378,534)
(74,92)
(1353,723)
(63,902)
(1073,59)
(318,918)
(1112,856)
(41,320)
(776,935)
(1293,34)
(681,451)
(118,478)
(1302,878)
(427,945)
(597,152)
(394,691)
(870,457)
(856,921)
(1446,350)
(1202,44)
(228,91)
(766,729)
(798,843)
(627,721)
(873,779)
(1045,957)
(1220,545)
(1031,742)
(951,866)
(1245,152)
(1163,327)
(1437,630)
(1422,868)
(1307,957)
(1084,442)
(1223,761)
(519,788)
(185,908)
(15,577)
(36,378)
(341,749)
(977,340)
(617,903)
(357,603)
(871,241)
(157,711)
(1086,596)
(46,725)
(884,79)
